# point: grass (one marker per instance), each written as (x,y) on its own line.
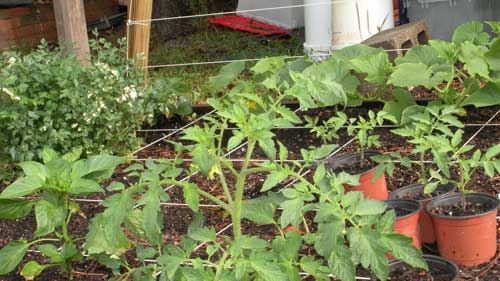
(212,43)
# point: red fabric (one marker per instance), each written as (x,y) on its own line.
(248,25)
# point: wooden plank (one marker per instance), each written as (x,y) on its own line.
(72,27)
(140,10)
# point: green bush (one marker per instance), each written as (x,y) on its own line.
(47,98)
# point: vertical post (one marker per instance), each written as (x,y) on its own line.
(72,27)
(138,47)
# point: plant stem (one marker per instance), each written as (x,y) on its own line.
(423,172)
(220,266)
(240,186)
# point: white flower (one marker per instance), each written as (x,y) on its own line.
(133,94)
(115,73)
(44,128)
(74,125)
(10,94)
(94,115)
(12,60)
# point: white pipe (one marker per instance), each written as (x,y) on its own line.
(318,29)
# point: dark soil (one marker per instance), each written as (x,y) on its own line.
(407,273)
(459,210)
(401,212)
(358,167)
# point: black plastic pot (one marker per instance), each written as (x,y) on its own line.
(436,265)
(376,190)
(425,221)
(407,224)
(467,240)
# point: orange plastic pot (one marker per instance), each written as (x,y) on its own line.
(407,222)
(413,192)
(467,240)
(376,190)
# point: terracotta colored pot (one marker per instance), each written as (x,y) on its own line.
(467,240)
(438,267)
(407,224)
(425,221)
(373,190)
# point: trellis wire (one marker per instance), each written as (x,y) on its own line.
(234,12)
(175,132)
(303,128)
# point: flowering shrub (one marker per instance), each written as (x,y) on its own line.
(47,98)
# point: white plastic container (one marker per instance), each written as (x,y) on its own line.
(357,20)
(317,16)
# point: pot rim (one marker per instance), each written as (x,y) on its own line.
(414,212)
(436,201)
(453,265)
(348,155)
(410,186)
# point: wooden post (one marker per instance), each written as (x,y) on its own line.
(140,10)
(72,27)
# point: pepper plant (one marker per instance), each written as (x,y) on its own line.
(361,128)
(51,187)
(449,152)
(417,125)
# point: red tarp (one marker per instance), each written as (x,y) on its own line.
(249,25)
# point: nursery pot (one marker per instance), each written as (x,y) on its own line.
(415,192)
(407,214)
(439,268)
(466,239)
(373,190)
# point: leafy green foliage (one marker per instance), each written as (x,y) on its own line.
(51,186)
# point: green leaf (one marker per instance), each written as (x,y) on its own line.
(234,141)
(144,253)
(401,248)
(402,100)
(489,95)
(97,167)
(292,212)
(202,158)
(11,255)
(32,269)
(474,60)
(191,196)
(341,264)
(11,209)
(367,247)
(327,237)
(377,67)
(412,75)
(259,211)
(197,232)
(267,145)
(34,169)
(493,55)
(22,187)
(51,251)
(48,155)
(152,218)
(274,178)
(268,271)
(370,207)
(226,75)
(170,265)
(471,31)
(84,186)
(50,212)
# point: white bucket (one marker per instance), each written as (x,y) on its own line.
(317,16)
(357,20)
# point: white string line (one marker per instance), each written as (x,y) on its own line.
(241,11)
(175,132)
(471,138)
(247,60)
(304,127)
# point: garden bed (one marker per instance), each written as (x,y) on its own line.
(177,215)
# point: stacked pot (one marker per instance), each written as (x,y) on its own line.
(466,239)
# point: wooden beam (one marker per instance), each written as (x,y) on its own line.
(140,10)
(72,27)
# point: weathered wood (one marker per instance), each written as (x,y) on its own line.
(72,27)
(140,10)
